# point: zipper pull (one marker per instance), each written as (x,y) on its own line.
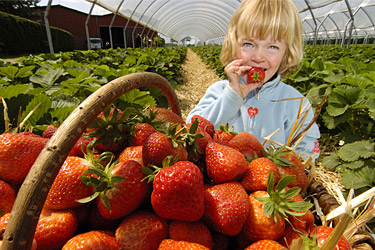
(257,94)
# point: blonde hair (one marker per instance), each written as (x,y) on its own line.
(258,19)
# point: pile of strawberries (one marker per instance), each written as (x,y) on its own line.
(151,181)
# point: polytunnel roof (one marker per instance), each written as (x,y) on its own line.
(208,19)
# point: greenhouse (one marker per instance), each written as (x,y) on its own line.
(136,124)
(324,21)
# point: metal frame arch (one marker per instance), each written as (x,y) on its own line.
(172,5)
(179,34)
(174,29)
(173,16)
(363,8)
(136,25)
(189,30)
(86,25)
(157,10)
(217,21)
(314,20)
(220,30)
(350,23)
(113,19)
(225,11)
(127,23)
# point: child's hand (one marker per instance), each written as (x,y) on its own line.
(237,71)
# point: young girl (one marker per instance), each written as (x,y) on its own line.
(265,34)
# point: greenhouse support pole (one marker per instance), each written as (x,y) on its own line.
(350,22)
(113,19)
(312,15)
(127,23)
(136,25)
(86,26)
(49,37)
(144,27)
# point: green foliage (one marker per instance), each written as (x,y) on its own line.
(57,83)
(210,55)
(346,77)
(355,162)
(22,36)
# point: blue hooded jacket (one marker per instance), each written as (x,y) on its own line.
(262,112)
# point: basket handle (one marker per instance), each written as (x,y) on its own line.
(20,230)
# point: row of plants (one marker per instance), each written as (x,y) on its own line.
(57,83)
(345,79)
(210,55)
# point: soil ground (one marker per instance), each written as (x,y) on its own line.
(196,78)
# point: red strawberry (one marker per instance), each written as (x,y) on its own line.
(169,244)
(54,228)
(108,129)
(142,230)
(18,153)
(265,245)
(93,240)
(256,75)
(224,163)
(269,209)
(131,153)
(196,232)
(50,130)
(226,207)
(198,142)
(165,115)
(96,221)
(80,145)
(224,134)
(205,124)
(178,192)
(322,233)
(291,235)
(141,132)
(7,197)
(247,144)
(219,241)
(3,223)
(288,163)
(258,225)
(125,190)
(158,146)
(301,180)
(68,181)
(257,172)
(305,222)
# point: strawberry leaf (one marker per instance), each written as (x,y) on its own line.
(300,206)
(355,151)
(88,199)
(292,192)
(105,200)
(284,182)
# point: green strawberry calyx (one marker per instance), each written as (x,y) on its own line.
(278,199)
(100,177)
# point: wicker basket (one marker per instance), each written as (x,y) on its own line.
(33,192)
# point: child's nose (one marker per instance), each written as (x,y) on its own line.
(258,55)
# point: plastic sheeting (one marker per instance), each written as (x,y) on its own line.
(207,20)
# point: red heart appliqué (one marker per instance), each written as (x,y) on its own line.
(252,111)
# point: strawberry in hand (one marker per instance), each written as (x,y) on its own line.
(256,75)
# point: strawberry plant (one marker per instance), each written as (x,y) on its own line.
(57,83)
(354,161)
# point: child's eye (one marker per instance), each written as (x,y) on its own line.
(247,44)
(274,47)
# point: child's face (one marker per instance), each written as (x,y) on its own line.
(266,54)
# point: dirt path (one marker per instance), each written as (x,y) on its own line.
(197,77)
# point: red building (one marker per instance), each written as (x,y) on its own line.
(98,26)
